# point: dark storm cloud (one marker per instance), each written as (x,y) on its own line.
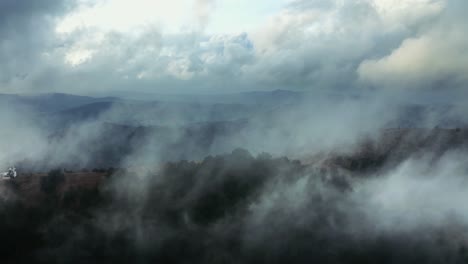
(17,8)
(26,36)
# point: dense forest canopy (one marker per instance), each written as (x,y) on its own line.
(232,208)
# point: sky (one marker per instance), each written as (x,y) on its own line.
(192,46)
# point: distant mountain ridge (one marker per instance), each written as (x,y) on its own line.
(51,102)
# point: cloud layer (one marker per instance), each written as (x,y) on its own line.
(306,44)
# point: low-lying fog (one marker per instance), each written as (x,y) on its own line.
(339,180)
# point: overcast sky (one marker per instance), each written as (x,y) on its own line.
(190,46)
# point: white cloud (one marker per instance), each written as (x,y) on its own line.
(190,44)
(127,16)
(203,11)
(434,59)
(397,13)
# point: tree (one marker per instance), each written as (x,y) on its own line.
(52,181)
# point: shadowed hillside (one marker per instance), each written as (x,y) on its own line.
(233,208)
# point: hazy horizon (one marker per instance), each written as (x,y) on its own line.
(234,131)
